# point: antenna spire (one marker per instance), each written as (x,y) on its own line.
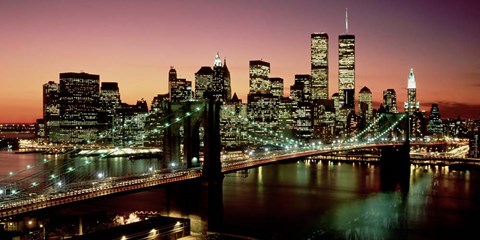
(346,20)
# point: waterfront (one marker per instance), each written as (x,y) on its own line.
(301,200)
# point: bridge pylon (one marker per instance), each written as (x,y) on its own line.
(395,164)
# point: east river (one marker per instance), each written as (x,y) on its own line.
(294,200)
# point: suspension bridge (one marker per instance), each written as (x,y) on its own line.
(50,183)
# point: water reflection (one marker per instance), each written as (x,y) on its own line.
(303,200)
(345,201)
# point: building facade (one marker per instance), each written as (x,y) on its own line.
(411,106)
(259,80)
(79,104)
(51,112)
(389,104)
(319,65)
(346,71)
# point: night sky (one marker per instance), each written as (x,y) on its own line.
(134,43)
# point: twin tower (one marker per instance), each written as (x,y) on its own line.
(346,69)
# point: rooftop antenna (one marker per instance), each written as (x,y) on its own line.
(346,20)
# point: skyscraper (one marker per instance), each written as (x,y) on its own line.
(346,69)
(435,123)
(51,111)
(302,107)
(203,78)
(277,86)
(227,86)
(79,104)
(261,103)
(109,103)
(365,109)
(213,82)
(319,65)
(172,78)
(216,88)
(181,91)
(259,82)
(390,101)
(411,106)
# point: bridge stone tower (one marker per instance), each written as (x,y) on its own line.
(395,164)
(184,130)
(185,121)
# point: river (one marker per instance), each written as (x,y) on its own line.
(303,200)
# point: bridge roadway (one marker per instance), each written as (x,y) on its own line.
(93,189)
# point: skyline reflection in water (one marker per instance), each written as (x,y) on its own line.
(301,200)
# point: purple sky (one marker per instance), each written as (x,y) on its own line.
(135,42)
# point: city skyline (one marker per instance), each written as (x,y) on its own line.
(135,44)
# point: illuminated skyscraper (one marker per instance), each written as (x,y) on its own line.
(411,106)
(213,82)
(181,91)
(51,111)
(259,81)
(435,123)
(227,86)
(261,103)
(79,104)
(109,103)
(216,88)
(302,107)
(346,69)
(319,65)
(390,101)
(172,78)
(276,87)
(365,109)
(203,78)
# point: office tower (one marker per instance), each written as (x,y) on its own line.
(411,106)
(346,69)
(323,115)
(435,123)
(261,103)
(172,78)
(302,107)
(389,104)
(109,103)
(110,96)
(262,109)
(306,79)
(216,88)
(232,124)
(51,111)
(203,78)
(319,65)
(474,144)
(181,91)
(285,117)
(259,82)
(365,110)
(129,124)
(277,87)
(227,83)
(154,122)
(79,104)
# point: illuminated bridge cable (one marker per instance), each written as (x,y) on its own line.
(70,169)
(388,129)
(266,130)
(29,183)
